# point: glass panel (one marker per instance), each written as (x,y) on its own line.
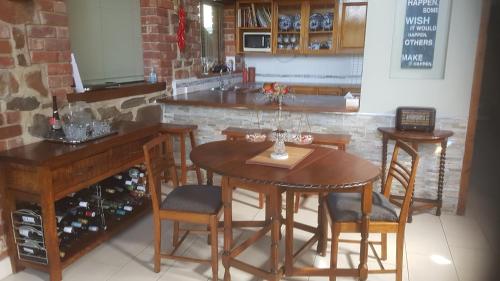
(289,26)
(321,20)
(211,32)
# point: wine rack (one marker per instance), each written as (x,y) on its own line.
(81,216)
(28,232)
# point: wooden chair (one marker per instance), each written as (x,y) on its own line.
(344,213)
(191,203)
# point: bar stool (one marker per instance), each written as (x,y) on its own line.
(180,132)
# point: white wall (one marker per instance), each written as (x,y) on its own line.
(451,95)
(307,69)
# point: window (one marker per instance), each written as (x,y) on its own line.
(106,39)
(212,36)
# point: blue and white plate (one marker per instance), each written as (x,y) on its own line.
(327,21)
(315,22)
(284,22)
(296,22)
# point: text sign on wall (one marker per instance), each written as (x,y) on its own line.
(419,38)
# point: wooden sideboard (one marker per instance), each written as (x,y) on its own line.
(45,172)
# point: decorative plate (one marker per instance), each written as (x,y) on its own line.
(315,21)
(284,22)
(296,22)
(327,22)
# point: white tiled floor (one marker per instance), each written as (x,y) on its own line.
(446,248)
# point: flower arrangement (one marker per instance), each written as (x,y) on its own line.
(275,91)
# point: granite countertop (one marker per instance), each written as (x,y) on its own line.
(250,98)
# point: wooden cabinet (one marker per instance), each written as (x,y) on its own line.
(351,26)
(324,90)
(252,16)
(313,27)
(45,172)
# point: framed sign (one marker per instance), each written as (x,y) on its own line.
(420,39)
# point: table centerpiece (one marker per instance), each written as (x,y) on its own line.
(276,93)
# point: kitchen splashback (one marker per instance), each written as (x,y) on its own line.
(321,70)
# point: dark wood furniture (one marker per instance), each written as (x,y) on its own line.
(324,170)
(340,141)
(344,213)
(416,138)
(45,172)
(192,204)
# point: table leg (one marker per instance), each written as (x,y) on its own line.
(227,194)
(50,225)
(8,205)
(290,197)
(442,161)
(275,229)
(322,226)
(365,223)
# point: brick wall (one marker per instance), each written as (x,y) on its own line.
(159,21)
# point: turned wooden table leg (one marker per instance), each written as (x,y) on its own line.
(365,227)
(442,161)
(227,194)
(322,226)
(275,207)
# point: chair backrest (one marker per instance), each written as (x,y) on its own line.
(159,160)
(404,173)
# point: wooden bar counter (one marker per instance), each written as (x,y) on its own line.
(251,99)
(45,172)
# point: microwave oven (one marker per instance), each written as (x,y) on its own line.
(256,41)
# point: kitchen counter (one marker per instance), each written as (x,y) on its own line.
(250,98)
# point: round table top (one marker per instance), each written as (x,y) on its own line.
(324,168)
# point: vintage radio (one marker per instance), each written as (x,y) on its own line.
(415,119)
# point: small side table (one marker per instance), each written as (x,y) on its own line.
(415,138)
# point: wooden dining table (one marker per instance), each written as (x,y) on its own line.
(322,171)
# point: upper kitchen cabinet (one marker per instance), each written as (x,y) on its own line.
(254,26)
(295,27)
(288,25)
(351,26)
(319,28)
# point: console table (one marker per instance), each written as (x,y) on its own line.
(45,172)
(416,138)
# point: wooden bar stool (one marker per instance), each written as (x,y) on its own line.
(180,131)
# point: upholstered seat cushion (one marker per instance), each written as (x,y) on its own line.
(347,207)
(194,198)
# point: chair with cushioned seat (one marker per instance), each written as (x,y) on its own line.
(344,212)
(190,203)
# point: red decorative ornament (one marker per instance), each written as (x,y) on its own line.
(181,32)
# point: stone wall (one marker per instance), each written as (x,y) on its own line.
(366,140)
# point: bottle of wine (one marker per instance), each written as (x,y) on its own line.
(55,120)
